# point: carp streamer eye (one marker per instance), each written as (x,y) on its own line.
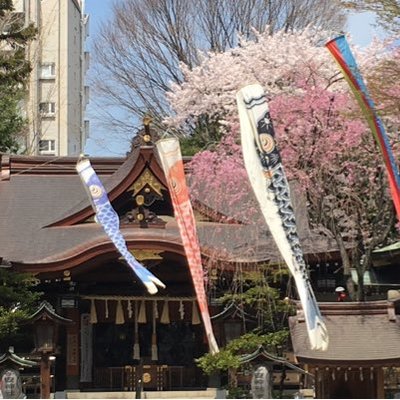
(95,191)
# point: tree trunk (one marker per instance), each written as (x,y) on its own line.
(346,266)
(232,377)
(361,263)
(360,284)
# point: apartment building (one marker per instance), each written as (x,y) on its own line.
(57,95)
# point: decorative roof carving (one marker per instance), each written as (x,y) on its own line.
(146,178)
(47,311)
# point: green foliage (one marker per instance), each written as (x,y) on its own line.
(14,66)
(191,145)
(5,5)
(14,73)
(238,393)
(12,124)
(229,356)
(258,291)
(206,133)
(221,361)
(249,342)
(18,301)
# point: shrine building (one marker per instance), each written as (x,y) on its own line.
(47,229)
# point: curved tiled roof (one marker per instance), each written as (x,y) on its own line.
(110,184)
(9,357)
(41,211)
(364,333)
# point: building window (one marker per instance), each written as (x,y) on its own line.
(47,109)
(87,94)
(48,71)
(87,60)
(86,129)
(47,147)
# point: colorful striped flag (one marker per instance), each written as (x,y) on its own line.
(171,159)
(341,52)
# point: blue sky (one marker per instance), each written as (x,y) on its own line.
(102,143)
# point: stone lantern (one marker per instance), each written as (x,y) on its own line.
(10,380)
(45,322)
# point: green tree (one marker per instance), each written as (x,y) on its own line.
(12,124)
(14,72)
(257,291)
(18,300)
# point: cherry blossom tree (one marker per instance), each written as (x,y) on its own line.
(383,81)
(325,145)
(138,52)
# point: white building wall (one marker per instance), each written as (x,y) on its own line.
(75,83)
(58,48)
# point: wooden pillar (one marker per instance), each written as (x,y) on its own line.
(316,371)
(45,376)
(380,388)
(72,356)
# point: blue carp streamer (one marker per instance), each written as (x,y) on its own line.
(109,220)
(268,180)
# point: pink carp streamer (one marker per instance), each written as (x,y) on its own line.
(171,159)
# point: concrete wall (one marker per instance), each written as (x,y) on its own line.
(60,42)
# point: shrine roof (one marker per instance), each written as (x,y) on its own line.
(360,333)
(9,357)
(45,208)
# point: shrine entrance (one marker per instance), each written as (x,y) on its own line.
(158,339)
(178,344)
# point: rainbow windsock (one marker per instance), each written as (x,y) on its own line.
(340,50)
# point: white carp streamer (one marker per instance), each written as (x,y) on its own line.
(268,180)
